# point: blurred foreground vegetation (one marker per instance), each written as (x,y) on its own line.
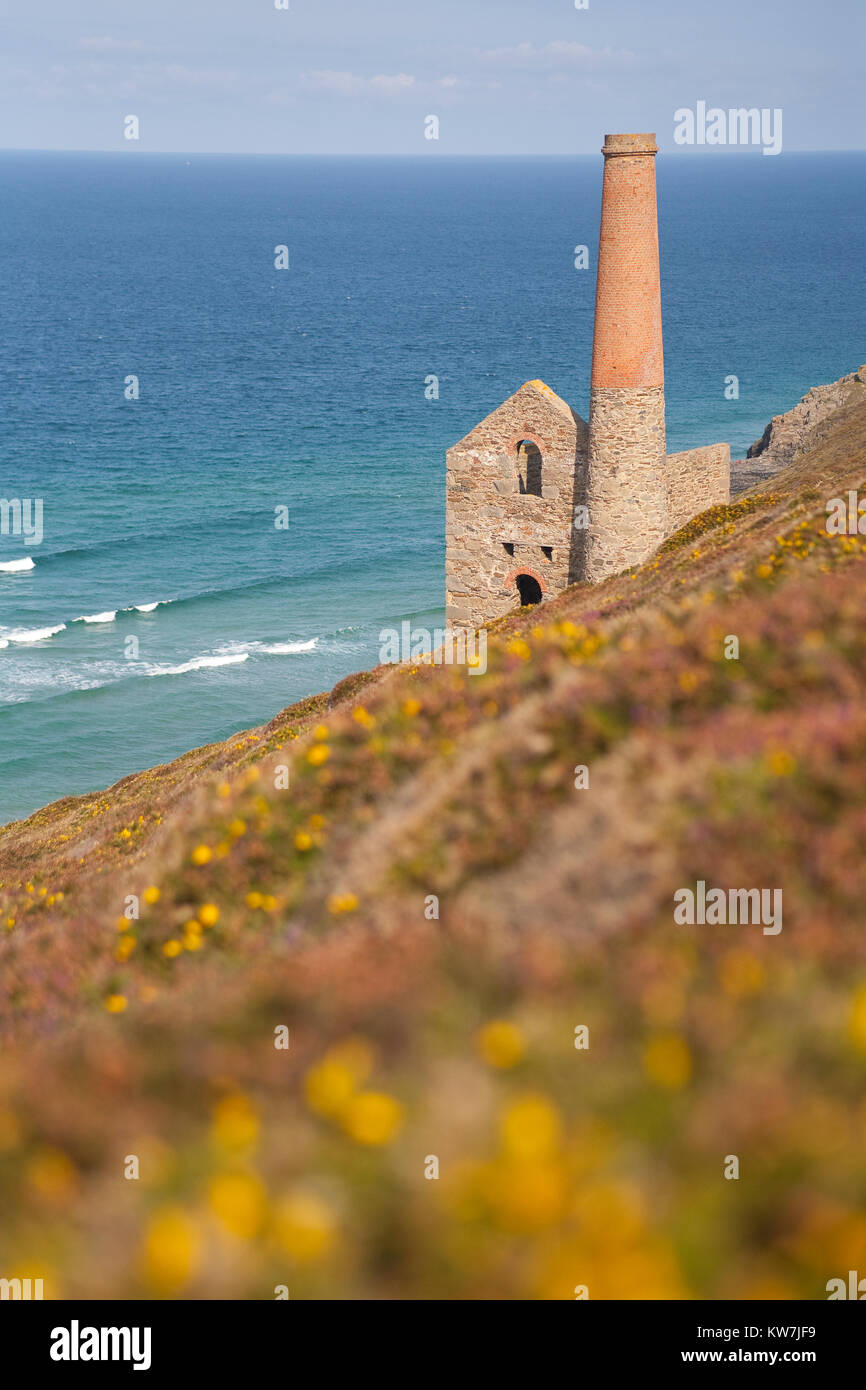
(432,1130)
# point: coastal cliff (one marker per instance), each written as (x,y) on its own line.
(792,434)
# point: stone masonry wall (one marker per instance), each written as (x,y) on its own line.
(487,512)
(626,488)
(694,480)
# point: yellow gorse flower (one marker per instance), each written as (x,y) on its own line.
(531,1128)
(238,1201)
(305,1226)
(668,1061)
(372,1118)
(342,902)
(171,1250)
(235,1126)
(501,1044)
(857,1021)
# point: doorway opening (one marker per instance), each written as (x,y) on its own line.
(529,590)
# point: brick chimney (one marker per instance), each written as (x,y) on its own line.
(626,482)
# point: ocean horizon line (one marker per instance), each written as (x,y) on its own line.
(687,152)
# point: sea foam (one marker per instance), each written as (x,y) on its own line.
(198,663)
(31,634)
(284,648)
(269,648)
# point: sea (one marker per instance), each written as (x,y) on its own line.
(241,467)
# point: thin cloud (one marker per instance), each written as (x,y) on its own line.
(560,53)
(218,79)
(102,43)
(398,83)
(350,84)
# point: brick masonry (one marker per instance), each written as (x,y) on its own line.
(627,343)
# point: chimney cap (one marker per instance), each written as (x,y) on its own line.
(629,144)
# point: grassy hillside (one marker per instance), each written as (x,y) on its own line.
(415,1037)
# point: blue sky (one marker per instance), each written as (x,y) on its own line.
(360,76)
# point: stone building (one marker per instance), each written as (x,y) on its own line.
(536,499)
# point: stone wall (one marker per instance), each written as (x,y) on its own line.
(495,531)
(694,480)
(626,484)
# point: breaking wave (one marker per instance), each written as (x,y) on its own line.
(198,663)
(283,648)
(30,634)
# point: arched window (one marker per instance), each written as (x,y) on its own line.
(529,590)
(529,467)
